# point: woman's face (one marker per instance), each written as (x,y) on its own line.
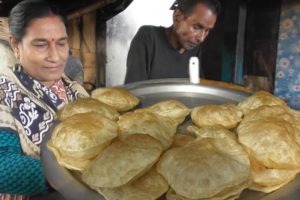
(44,49)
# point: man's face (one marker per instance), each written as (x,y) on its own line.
(44,49)
(193,29)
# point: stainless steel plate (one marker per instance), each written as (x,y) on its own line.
(150,92)
(192,95)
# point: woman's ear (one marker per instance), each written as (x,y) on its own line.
(14,45)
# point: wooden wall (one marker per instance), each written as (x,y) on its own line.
(82,41)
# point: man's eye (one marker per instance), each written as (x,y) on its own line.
(195,27)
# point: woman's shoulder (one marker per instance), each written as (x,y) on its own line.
(75,86)
(7,57)
(6,72)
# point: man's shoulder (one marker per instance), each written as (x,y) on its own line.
(150,29)
(150,33)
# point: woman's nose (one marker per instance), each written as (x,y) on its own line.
(53,54)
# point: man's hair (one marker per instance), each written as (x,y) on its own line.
(187,6)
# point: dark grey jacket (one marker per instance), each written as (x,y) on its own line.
(151,56)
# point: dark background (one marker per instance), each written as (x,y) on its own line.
(255,50)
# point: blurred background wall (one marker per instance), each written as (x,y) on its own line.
(122,28)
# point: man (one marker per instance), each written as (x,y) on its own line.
(159,52)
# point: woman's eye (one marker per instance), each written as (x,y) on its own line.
(40,45)
(61,44)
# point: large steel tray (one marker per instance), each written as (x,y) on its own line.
(150,92)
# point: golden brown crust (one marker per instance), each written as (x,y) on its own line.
(227,115)
(82,137)
(84,105)
(123,161)
(118,98)
(258,99)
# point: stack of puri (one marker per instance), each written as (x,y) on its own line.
(86,140)
(270,134)
(127,168)
(212,166)
(126,153)
(267,129)
(86,127)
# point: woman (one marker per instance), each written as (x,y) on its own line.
(30,94)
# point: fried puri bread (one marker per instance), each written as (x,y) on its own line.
(267,180)
(216,131)
(279,112)
(181,140)
(84,105)
(205,167)
(118,98)
(258,99)
(123,161)
(170,108)
(271,141)
(227,115)
(231,194)
(161,128)
(148,187)
(79,138)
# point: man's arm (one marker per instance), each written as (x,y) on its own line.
(138,63)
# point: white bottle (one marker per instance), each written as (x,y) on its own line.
(194,70)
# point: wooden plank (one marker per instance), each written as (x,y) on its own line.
(88,33)
(89,75)
(88,47)
(74,33)
(100,53)
(89,59)
(83,44)
(76,53)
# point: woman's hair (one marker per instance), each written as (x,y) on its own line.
(187,6)
(28,10)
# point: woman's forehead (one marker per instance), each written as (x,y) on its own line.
(50,26)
